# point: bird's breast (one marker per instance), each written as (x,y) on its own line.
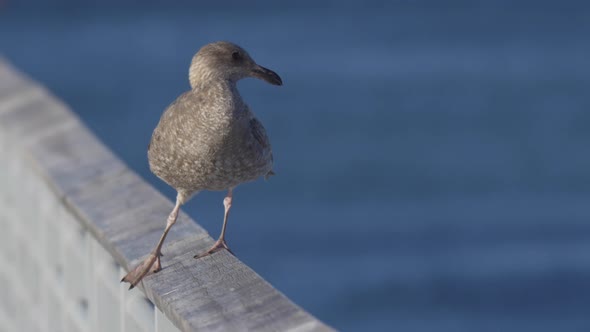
(211,154)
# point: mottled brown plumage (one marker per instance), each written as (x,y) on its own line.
(208,139)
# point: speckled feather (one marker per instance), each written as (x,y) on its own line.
(208,139)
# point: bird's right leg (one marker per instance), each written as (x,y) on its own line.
(220,244)
(152,262)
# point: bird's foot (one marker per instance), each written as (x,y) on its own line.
(220,244)
(150,264)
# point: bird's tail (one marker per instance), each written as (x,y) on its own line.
(269,174)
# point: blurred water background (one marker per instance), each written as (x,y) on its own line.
(432,157)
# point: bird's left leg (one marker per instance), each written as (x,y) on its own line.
(220,244)
(152,262)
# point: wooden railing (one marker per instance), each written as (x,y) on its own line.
(73,218)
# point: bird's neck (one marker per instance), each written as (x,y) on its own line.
(202,77)
(222,93)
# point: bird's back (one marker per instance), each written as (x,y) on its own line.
(207,140)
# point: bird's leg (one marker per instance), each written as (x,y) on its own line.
(220,243)
(152,261)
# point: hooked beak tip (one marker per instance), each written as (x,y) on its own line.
(267,75)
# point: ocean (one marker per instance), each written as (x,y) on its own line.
(432,159)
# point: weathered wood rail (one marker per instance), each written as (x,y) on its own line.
(73,217)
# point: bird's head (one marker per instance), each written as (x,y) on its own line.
(227,61)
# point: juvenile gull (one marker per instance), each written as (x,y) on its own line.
(208,139)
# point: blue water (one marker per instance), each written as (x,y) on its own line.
(432,160)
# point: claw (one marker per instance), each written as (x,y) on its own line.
(220,244)
(136,275)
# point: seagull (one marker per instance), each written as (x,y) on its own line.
(209,139)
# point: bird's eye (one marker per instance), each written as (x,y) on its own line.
(236,55)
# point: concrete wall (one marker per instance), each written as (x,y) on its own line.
(73,218)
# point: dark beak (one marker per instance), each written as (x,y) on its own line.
(267,75)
